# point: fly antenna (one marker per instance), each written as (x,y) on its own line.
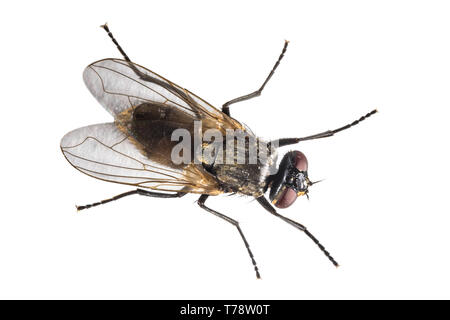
(314,182)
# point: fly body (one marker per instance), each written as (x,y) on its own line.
(167,142)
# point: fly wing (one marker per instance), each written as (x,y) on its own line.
(105,152)
(135,149)
(120,85)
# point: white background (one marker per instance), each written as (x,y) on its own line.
(382,210)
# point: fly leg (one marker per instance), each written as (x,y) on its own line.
(257,93)
(266,204)
(129,193)
(146,76)
(328,133)
(125,56)
(105,26)
(201,203)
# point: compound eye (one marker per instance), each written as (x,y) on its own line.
(286,186)
(286,199)
(301,163)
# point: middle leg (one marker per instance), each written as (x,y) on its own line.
(201,203)
(226,106)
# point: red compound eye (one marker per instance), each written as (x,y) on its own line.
(288,196)
(300,161)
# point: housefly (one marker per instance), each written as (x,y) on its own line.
(139,148)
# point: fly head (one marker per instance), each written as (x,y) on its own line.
(291,180)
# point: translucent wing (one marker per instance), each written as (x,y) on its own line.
(120,85)
(105,152)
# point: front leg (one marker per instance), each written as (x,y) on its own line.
(226,106)
(266,205)
(328,133)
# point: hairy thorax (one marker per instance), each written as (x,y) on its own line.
(246,175)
